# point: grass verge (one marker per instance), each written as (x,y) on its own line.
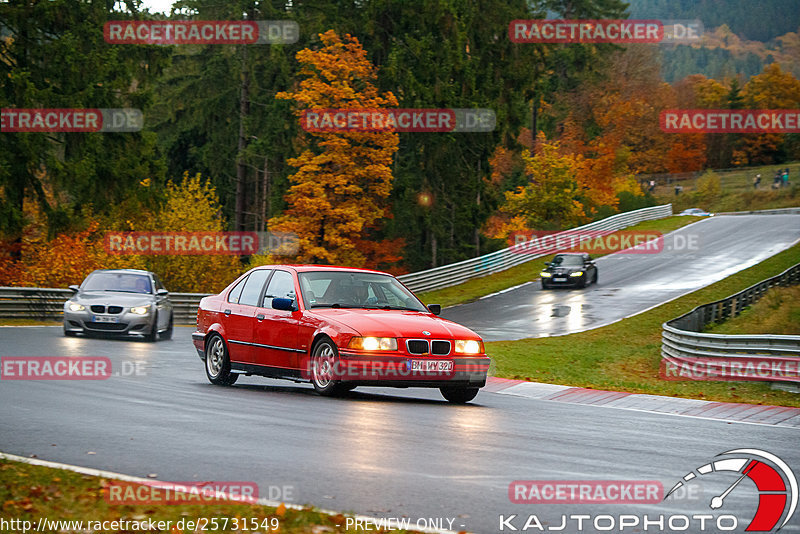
(479,287)
(777,312)
(736,192)
(30,492)
(625,356)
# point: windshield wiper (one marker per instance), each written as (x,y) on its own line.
(334,305)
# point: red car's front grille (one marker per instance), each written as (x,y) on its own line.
(421,346)
(440,348)
(417,346)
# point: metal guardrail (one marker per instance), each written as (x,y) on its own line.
(41,303)
(47,303)
(777,211)
(683,339)
(456,273)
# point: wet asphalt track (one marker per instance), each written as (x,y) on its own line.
(395,453)
(380,452)
(692,257)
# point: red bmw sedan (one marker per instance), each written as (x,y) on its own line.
(338,328)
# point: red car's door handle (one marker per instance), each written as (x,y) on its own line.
(260,316)
(227,312)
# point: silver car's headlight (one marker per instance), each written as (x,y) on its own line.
(140,310)
(75,307)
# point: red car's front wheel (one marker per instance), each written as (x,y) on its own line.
(324,360)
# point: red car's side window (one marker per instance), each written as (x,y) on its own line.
(253,286)
(282,286)
(236,292)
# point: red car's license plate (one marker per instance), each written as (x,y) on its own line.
(431,365)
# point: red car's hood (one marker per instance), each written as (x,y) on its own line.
(396,323)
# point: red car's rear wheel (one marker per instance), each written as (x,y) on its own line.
(218,365)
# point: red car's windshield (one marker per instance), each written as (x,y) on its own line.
(354,289)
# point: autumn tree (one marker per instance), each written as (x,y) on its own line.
(772,89)
(52,55)
(343,180)
(191,205)
(550,200)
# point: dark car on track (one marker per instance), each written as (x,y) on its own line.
(337,328)
(121,302)
(569,270)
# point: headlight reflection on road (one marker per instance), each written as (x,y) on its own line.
(575,318)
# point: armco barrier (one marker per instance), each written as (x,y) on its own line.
(683,339)
(455,273)
(46,303)
(776,211)
(43,304)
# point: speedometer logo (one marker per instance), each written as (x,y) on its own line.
(775,481)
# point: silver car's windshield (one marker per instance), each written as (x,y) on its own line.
(336,289)
(120,282)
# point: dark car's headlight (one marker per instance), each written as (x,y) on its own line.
(545,274)
(75,307)
(373,343)
(577,273)
(140,310)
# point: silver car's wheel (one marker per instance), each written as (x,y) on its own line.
(323,368)
(218,366)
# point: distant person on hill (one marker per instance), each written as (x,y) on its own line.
(756,181)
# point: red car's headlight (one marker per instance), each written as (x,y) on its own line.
(373,343)
(468,346)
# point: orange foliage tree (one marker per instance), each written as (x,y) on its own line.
(339,193)
(772,89)
(550,201)
(190,204)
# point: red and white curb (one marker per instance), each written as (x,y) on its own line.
(720,411)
